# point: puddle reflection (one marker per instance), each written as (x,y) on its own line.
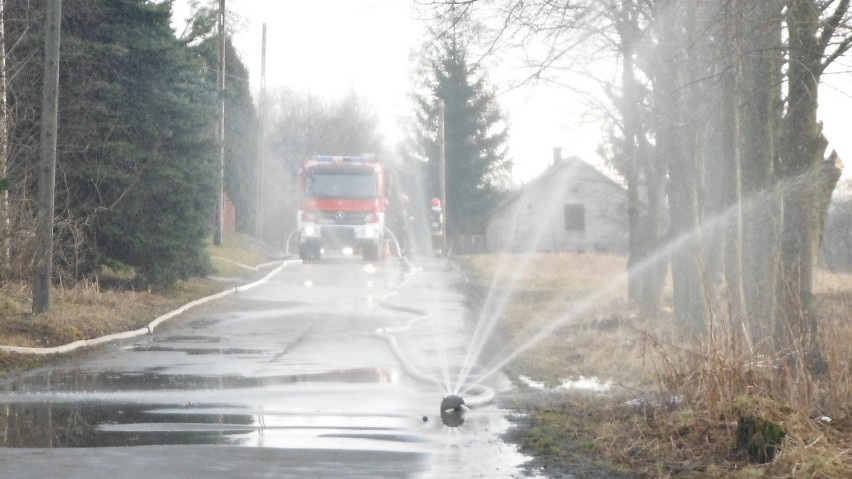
(37,412)
(46,425)
(84,381)
(93,424)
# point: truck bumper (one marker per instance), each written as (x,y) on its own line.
(370,233)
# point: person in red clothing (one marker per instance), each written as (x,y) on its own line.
(436,226)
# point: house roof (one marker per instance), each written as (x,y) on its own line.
(554,171)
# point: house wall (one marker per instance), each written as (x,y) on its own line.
(534,220)
(229,214)
(836,250)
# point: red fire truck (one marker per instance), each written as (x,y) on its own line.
(343,206)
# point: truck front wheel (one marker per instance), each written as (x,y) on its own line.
(304,252)
(371,252)
(310,250)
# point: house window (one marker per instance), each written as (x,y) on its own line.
(575,218)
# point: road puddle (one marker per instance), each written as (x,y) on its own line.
(59,409)
(70,381)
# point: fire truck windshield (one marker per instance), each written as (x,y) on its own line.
(341,184)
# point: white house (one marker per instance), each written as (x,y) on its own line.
(836,248)
(570,207)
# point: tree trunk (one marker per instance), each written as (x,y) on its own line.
(652,224)
(758,96)
(732,160)
(807,183)
(634,208)
(646,273)
(676,146)
(625,25)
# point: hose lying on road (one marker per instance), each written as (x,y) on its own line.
(65,348)
(481,394)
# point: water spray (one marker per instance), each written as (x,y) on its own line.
(453,405)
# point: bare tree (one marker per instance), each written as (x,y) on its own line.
(754,47)
(636,158)
(702,107)
(818,34)
(304,125)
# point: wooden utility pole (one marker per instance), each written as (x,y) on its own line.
(5,254)
(220,136)
(47,166)
(442,172)
(261,141)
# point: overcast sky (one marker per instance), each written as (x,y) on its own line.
(329,46)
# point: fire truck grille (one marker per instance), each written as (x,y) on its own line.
(342,218)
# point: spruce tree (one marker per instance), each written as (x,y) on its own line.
(477,168)
(162,162)
(136,165)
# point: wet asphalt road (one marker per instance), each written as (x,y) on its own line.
(284,380)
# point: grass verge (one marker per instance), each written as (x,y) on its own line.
(88,311)
(675,401)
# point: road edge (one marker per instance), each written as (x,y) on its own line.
(66,348)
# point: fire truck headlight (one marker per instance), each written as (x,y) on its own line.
(309,230)
(370,231)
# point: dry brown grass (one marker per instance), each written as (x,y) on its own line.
(690,388)
(87,310)
(548,289)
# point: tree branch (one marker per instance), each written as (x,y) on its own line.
(829,30)
(832,23)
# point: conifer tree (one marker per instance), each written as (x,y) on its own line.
(160,196)
(136,169)
(477,168)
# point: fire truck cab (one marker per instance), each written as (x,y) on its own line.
(343,205)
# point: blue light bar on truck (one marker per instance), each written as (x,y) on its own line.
(351,159)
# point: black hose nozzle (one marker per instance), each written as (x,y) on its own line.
(452,403)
